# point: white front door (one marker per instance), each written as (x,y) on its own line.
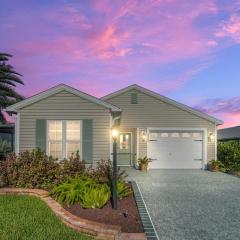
(175,149)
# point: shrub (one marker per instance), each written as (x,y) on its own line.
(73,166)
(96,197)
(36,170)
(123,189)
(102,172)
(83,190)
(229,154)
(73,190)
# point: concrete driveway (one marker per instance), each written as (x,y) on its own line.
(191,204)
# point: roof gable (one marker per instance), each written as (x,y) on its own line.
(164,99)
(62,87)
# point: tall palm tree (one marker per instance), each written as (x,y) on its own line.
(8,80)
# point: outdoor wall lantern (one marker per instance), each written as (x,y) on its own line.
(115,134)
(143,136)
(211,137)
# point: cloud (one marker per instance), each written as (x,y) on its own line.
(112,43)
(220,105)
(226,109)
(230,28)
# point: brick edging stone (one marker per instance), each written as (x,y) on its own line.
(100,230)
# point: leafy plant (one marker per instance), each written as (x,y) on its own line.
(229,154)
(102,172)
(73,166)
(36,170)
(9,78)
(123,190)
(143,161)
(96,197)
(73,190)
(83,190)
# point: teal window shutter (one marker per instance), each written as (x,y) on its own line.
(134,98)
(87,141)
(41,134)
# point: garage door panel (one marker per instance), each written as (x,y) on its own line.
(178,150)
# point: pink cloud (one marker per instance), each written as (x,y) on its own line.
(226,109)
(230,28)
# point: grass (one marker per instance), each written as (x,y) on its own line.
(27,217)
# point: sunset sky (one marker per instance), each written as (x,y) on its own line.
(187,50)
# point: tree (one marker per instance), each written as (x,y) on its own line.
(9,78)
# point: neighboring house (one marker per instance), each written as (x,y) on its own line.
(7,133)
(227,134)
(62,120)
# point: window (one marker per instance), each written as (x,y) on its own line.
(153,136)
(72,137)
(64,138)
(55,138)
(164,135)
(186,135)
(124,141)
(134,98)
(175,135)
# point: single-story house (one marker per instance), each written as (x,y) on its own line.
(227,134)
(62,120)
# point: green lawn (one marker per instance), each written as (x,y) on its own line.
(25,217)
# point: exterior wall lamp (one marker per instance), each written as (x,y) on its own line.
(211,137)
(115,133)
(143,136)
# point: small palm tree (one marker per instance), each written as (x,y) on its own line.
(8,80)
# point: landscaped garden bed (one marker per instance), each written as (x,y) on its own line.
(80,196)
(126,215)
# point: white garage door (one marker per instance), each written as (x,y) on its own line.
(175,149)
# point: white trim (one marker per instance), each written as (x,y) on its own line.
(17,133)
(164,99)
(147,211)
(205,139)
(64,139)
(57,89)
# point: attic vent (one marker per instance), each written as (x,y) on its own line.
(134,98)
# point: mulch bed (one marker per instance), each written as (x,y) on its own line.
(126,215)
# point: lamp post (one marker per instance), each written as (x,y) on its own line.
(114,179)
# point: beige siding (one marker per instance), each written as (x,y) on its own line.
(151,112)
(67,106)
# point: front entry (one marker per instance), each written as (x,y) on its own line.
(124,149)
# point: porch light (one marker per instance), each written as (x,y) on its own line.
(115,133)
(211,137)
(143,136)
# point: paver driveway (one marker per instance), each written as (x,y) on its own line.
(191,204)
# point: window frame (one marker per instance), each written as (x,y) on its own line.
(64,137)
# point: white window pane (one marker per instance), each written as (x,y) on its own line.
(55,130)
(124,141)
(72,147)
(55,149)
(175,135)
(73,130)
(153,136)
(186,135)
(197,135)
(164,135)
